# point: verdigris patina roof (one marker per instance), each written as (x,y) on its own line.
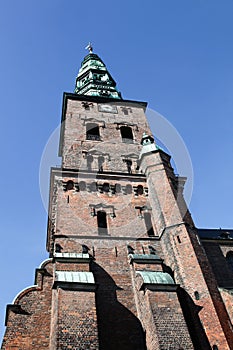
(156,277)
(94,79)
(74,277)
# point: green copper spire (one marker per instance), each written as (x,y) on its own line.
(94,79)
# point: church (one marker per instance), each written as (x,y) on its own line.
(127,267)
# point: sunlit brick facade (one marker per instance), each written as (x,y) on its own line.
(127,269)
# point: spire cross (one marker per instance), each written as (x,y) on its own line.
(89,47)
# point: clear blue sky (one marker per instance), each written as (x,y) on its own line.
(177,55)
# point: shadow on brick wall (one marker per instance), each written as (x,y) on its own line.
(118,327)
(190,311)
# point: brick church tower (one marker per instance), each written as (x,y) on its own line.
(127,269)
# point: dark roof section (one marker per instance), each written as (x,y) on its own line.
(213,234)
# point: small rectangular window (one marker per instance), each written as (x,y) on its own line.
(126,134)
(102,222)
(92,132)
(148,222)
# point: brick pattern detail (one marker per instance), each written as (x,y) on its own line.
(169,321)
(184,257)
(30,329)
(119,327)
(216,254)
(77,322)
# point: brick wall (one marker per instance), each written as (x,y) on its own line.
(29,327)
(116,313)
(182,252)
(77,321)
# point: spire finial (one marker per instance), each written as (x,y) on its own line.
(89,47)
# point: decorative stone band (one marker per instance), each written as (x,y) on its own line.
(105,187)
(75,280)
(72,257)
(156,280)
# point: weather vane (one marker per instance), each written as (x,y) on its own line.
(89,47)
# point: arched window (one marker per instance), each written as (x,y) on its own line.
(93,187)
(92,132)
(105,187)
(118,188)
(102,222)
(140,190)
(229,259)
(197,295)
(82,186)
(128,189)
(126,134)
(69,185)
(148,222)
(58,248)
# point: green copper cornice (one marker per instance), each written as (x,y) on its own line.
(94,79)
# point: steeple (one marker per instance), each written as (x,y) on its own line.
(94,79)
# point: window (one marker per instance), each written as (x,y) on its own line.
(105,187)
(126,110)
(197,295)
(140,190)
(126,134)
(229,259)
(93,187)
(128,189)
(148,222)
(102,222)
(129,165)
(70,185)
(118,188)
(92,132)
(58,248)
(82,186)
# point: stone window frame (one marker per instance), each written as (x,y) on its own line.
(126,134)
(92,132)
(99,123)
(132,126)
(109,209)
(102,223)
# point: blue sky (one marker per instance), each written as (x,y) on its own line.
(177,55)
